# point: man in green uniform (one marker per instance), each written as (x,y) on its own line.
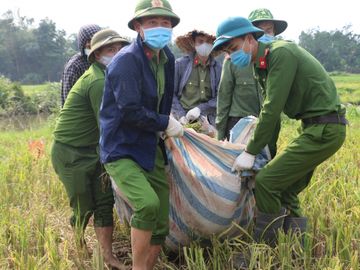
(239,96)
(135,111)
(74,153)
(298,85)
(263,19)
(239,93)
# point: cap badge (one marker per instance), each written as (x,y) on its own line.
(157,3)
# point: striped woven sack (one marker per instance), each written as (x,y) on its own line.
(206,198)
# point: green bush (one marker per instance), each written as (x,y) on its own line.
(5,86)
(13,101)
(47,101)
(32,78)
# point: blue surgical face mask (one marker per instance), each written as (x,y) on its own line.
(157,37)
(266,38)
(240,58)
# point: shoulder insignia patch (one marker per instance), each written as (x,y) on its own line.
(262,59)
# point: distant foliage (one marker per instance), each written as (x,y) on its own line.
(32,54)
(337,50)
(47,101)
(13,100)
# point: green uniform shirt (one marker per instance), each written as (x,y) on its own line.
(198,87)
(158,68)
(78,122)
(239,95)
(296,83)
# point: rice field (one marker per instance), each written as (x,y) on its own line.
(348,86)
(34,212)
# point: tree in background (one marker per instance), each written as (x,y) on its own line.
(52,44)
(35,54)
(337,50)
(10,40)
(29,54)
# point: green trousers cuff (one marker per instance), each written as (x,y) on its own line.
(142,224)
(103,222)
(158,240)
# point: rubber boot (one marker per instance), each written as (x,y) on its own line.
(267,226)
(297,226)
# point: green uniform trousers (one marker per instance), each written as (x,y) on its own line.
(81,173)
(146,192)
(283,178)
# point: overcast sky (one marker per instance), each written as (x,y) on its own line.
(70,15)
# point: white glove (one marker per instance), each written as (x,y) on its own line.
(244,161)
(193,114)
(183,120)
(174,128)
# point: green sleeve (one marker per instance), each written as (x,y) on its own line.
(96,90)
(224,99)
(282,71)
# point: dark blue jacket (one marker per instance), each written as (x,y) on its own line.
(129,117)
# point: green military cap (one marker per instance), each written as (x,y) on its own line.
(102,38)
(145,8)
(263,14)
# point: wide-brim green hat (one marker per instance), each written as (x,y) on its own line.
(234,27)
(102,38)
(146,8)
(262,14)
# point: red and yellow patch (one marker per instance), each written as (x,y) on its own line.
(262,59)
(157,3)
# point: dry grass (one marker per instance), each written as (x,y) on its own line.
(34,230)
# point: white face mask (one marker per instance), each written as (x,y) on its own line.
(87,51)
(105,60)
(204,49)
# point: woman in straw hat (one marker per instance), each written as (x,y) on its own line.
(197,75)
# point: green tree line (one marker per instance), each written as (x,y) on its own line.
(34,54)
(337,50)
(30,54)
